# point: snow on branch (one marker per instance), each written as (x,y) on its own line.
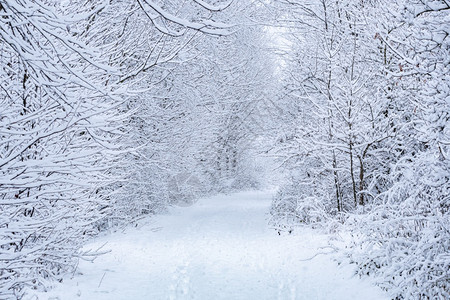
(155,12)
(213,7)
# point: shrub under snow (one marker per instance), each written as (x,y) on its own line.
(405,241)
(292,207)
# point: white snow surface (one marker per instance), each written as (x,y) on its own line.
(219,248)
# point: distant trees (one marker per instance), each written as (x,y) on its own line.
(242,74)
(184,102)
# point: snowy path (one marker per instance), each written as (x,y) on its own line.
(220,248)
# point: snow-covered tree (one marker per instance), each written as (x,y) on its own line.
(58,125)
(408,228)
(334,104)
(367,91)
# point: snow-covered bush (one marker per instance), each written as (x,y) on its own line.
(405,236)
(183,188)
(292,207)
(405,240)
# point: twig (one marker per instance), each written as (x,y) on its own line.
(101,280)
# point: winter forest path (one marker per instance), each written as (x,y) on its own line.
(219,248)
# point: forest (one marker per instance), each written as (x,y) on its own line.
(112,111)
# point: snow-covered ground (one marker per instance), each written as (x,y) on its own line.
(219,248)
